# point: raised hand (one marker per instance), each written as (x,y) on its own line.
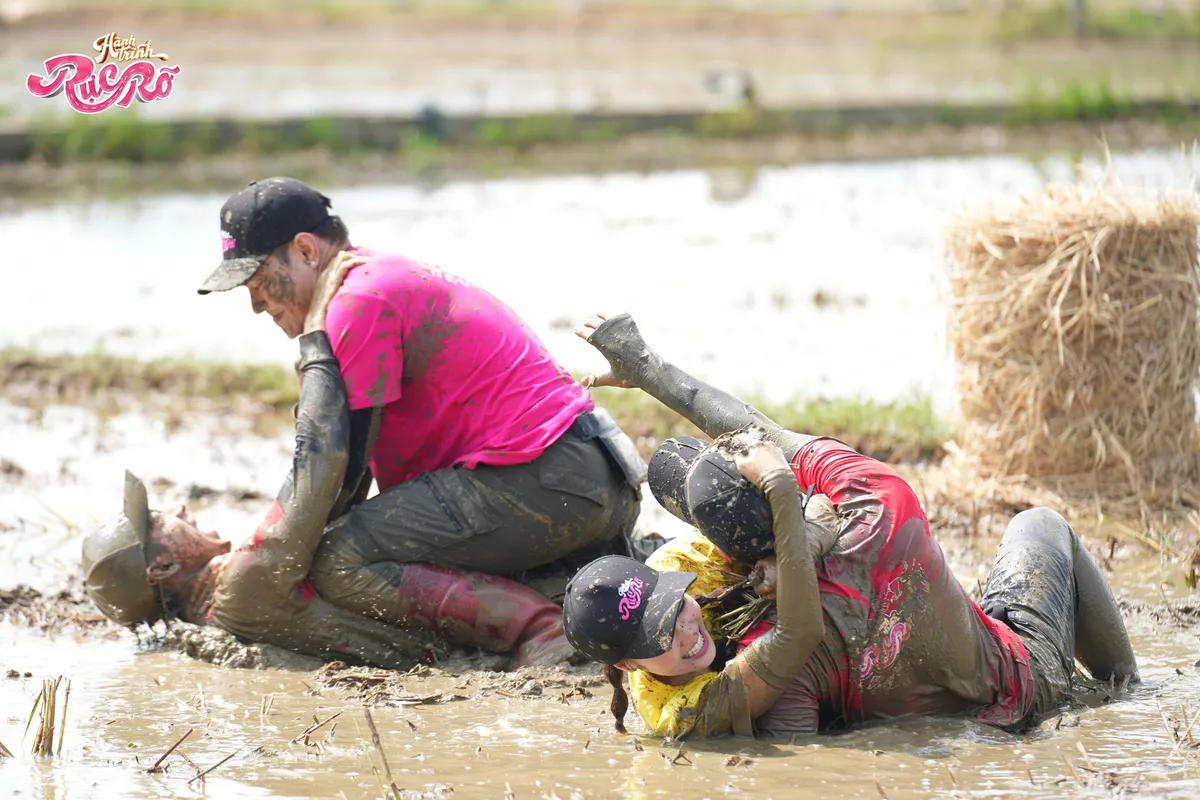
(620,342)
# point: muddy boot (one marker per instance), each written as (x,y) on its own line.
(486,611)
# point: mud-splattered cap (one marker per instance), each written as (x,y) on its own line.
(667,473)
(619,608)
(258,219)
(114,562)
(727,508)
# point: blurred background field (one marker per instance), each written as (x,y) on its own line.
(318,58)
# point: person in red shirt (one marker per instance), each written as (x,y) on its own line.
(901,635)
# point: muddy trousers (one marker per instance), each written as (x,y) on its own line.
(427,554)
(1050,591)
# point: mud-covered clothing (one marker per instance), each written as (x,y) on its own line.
(914,642)
(501,520)
(462,380)
(718,702)
(1046,587)
(658,703)
(263,592)
(902,637)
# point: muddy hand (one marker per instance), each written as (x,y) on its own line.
(766,572)
(757,458)
(327,286)
(621,344)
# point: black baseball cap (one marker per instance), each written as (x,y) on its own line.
(728,509)
(257,220)
(667,473)
(701,485)
(618,608)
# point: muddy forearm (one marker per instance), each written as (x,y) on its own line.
(319,458)
(712,410)
(777,656)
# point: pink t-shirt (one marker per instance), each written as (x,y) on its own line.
(463,379)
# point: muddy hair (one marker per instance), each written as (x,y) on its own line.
(620,700)
(333,230)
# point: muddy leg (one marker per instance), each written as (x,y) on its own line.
(1048,589)
(1101,642)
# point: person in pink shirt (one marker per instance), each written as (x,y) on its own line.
(490,460)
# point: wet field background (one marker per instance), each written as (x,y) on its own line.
(840,262)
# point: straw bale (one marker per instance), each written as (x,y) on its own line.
(1074,325)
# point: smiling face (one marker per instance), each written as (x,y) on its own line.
(692,650)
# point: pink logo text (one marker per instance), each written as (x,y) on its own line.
(631,596)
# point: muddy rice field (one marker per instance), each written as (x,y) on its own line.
(708,261)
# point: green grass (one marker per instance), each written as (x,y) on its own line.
(1132,23)
(1074,102)
(896,432)
(79,378)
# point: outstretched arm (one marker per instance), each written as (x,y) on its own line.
(633,364)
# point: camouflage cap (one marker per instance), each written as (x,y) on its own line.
(114,562)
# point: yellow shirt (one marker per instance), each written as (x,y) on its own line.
(668,710)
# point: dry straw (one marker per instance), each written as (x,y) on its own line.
(1074,324)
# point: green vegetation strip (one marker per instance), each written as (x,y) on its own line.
(902,431)
(426,139)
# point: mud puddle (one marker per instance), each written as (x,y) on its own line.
(460,729)
(825,257)
(481,734)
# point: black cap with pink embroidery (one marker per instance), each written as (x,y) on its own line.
(618,608)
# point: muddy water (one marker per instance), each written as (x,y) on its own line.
(841,262)
(128,706)
(129,702)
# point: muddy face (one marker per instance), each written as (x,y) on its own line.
(692,650)
(283,288)
(175,534)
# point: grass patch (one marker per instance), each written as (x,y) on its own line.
(896,432)
(78,378)
(892,432)
(1073,102)
(1054,22)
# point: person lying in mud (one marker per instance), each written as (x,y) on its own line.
(879,628)
(488,456)
(145,565)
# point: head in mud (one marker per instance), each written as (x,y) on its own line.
(144,565)
(278,237)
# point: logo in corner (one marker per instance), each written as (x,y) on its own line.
(96,83)
(631,596)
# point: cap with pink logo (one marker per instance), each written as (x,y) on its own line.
(618,608)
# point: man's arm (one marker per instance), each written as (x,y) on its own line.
(364,433)
(635,365)
(292,530)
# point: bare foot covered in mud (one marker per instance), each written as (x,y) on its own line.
(620,342)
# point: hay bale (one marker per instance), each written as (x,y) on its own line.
(1074,325)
